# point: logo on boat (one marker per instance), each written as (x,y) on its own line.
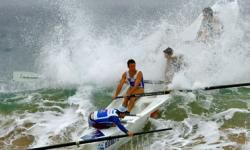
(107,144)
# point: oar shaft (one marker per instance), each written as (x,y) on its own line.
(226,86)
(147,94)
(155,82)
(168,91)
(96,140)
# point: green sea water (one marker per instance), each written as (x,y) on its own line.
(179,107)
(30,101)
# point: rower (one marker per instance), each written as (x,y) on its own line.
(210,28)
(135,79)
(108,118)
(174,63)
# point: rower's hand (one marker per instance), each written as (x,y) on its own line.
(113,97)
(130,133)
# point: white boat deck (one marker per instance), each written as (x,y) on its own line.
(143,108)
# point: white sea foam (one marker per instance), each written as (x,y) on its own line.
(76,55)
(228,114)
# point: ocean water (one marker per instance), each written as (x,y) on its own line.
(80,48)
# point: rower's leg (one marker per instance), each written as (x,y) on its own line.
(132,100)
(125,101)
(131,103)
(102,125)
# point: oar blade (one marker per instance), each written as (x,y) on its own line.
(22,76)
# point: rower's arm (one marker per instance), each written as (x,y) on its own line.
(137,82)
(181,62)
(199,34)
(118,123)
(201,31)
(120,85)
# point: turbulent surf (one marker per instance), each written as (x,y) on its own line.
(61,60)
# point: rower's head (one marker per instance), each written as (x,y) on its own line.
(131,65)
(121,113)
(168,52)
(208,12)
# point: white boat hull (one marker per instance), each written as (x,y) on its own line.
(144,107)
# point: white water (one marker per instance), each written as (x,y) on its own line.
(206,135)
(80,56)
(49,127)
(75,54)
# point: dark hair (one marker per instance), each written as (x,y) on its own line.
(130,61)
(119,112)
(168,50)
(208,10)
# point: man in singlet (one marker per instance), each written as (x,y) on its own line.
(135,79)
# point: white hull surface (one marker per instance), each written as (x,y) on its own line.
(143,109)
